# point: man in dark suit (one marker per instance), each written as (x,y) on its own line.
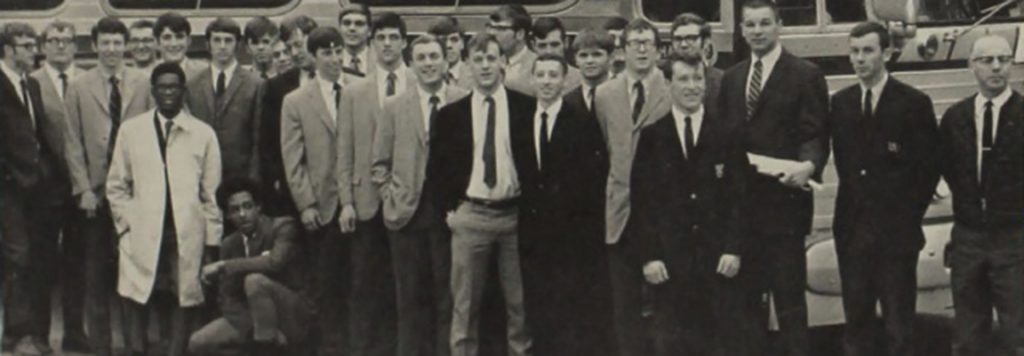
(565,271)
(689,190)
(293,31)
(592,50)
(884,134)
(228,98)
(982,146)
(33,187)
(782,102)
(261,278)
(691,36)
(472,169)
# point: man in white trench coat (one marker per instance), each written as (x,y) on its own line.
(165,169)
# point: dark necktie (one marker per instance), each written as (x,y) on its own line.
(450,78)
(337,95)
(869,115)
(543,139)
(169,230)
(638,104)
(391,84)
(221,78)
(167,132)
(590,98)
(987,141)
(688,137)
(263,74)
(114,107)
(355,64)
(63,82)
(754,92)
(490,166)
(434,102)
(28,102)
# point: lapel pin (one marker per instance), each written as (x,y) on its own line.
(720,170)
(894,147)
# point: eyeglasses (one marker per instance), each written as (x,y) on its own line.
(691,39)
(60,42)
(988,60)
(499,27)
(28,46)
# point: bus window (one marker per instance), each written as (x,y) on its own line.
(846,11)
(194,4)
(29,5)
(797,12)
(452,2)
(666,10)
(966,10)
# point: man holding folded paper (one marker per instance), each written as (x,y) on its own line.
(781,103)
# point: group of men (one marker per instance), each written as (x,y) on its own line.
(631,204)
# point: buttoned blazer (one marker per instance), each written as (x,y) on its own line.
(234,116)
(26,161)
(309,150)
(523,81)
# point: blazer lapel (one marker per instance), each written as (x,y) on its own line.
(774,79)
(236,81)
(98,90)
(128,82)
(654,98)
(411,104)
(1008,116)
(206,88)
(16,96)
(47,89)
(317,104)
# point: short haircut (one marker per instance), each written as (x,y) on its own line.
(443,26)
(172,21)
(481,41)
(426,39)
(303,23)
(12,30)
(167,68)
(354,7)
(224,24)
(234,185)
(144,23)
(109,25)
(551,57)
(639,24)
(388,20)
(760,4)
(323,37)
(543,26)
(615,23)
(59,25)
(689,18)
(516,14)
(866,28)
(258,27)
(589,38)
(691,60)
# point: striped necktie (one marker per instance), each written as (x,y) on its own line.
(754,91)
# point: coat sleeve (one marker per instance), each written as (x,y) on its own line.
(813,91)
(645,192)
(737,231)
(284,252)
(383,147)
(120,185)
(346,148)
(924,138)
(293,157)
(211,176)
(256,119)
(74,141)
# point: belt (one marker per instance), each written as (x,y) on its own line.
(493,204)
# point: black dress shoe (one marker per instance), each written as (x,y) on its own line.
(76,343)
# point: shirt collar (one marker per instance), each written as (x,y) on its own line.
(680,114)
(12,74)
(769,59)
(425,96)
(876,90)
(498,95)
(106,74)
(55,73)
(228,71)
(551,110)
(997,101)
(399,72)
(631,79)
(327,85)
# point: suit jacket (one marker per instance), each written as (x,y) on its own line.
(309,150)
(997,202)
(357,121)
(29,153)
(615,115)
(519,74)
(193,67)
(887,168)
(234,116)
(789,122)
(272,174)
(451,149)
(400,149)
(137,191)
(712,86)
(88,124)
(465,79)
(275,251)
(522,80)
(690,205)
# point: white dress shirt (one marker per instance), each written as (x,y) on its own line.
(425,103)
(586,95)
(696,119)
(163,124)
(767,65)
(552,112)
(327,92)
(346,59)
(876,92)
(54,75)
(979,118)
(229,72)
(631,80)
(507,185)
(382,82)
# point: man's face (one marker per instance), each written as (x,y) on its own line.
(297,46)
(507,36)
(173,45)
(687,85)
(991,61)
(867,56)
(24,52)
(261,49)
(548,79)
(486,66)
(60,46)
(243,212)
(686,40)
(110,49)
(282,60)
(593,62)
(454,45)
(428,62)
(328,61)
(641,51)
(355,29)
(222,47)
(142,44)
(169,92)
(761,29)
(553,43)
(388,43)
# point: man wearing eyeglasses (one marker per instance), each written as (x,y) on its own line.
(982,145)
(33,190)
(354,23)
(142,45)
(691,36)
(511,25)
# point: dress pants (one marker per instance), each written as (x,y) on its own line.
(176,323)
(422,260)
(372,305)
(478,231)
(100,269)
(58,256)
(987,266)
(628,288)
(778,266)
(328,283)
(25,223)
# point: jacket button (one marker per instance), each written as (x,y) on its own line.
(696,227)
(863,172)
(693,196)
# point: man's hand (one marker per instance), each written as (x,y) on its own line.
(799,176)
(729,265)
(655,272)
(211,270)
(311,219)
(89,203)
(347,219)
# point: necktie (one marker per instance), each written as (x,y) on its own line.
(638,104)
(391,84)
(688,137)
(490,168)
(167,131)
(590,98)
(754,92)
(354,62)
(220,83)
(543,139)
(263,74)
(114,107)
(63,83)
(28,103)
(434,101)
(987,141)
(450,78)
(337,95)
(869,115)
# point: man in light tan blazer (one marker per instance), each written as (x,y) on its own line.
(96,103)
(420,247)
